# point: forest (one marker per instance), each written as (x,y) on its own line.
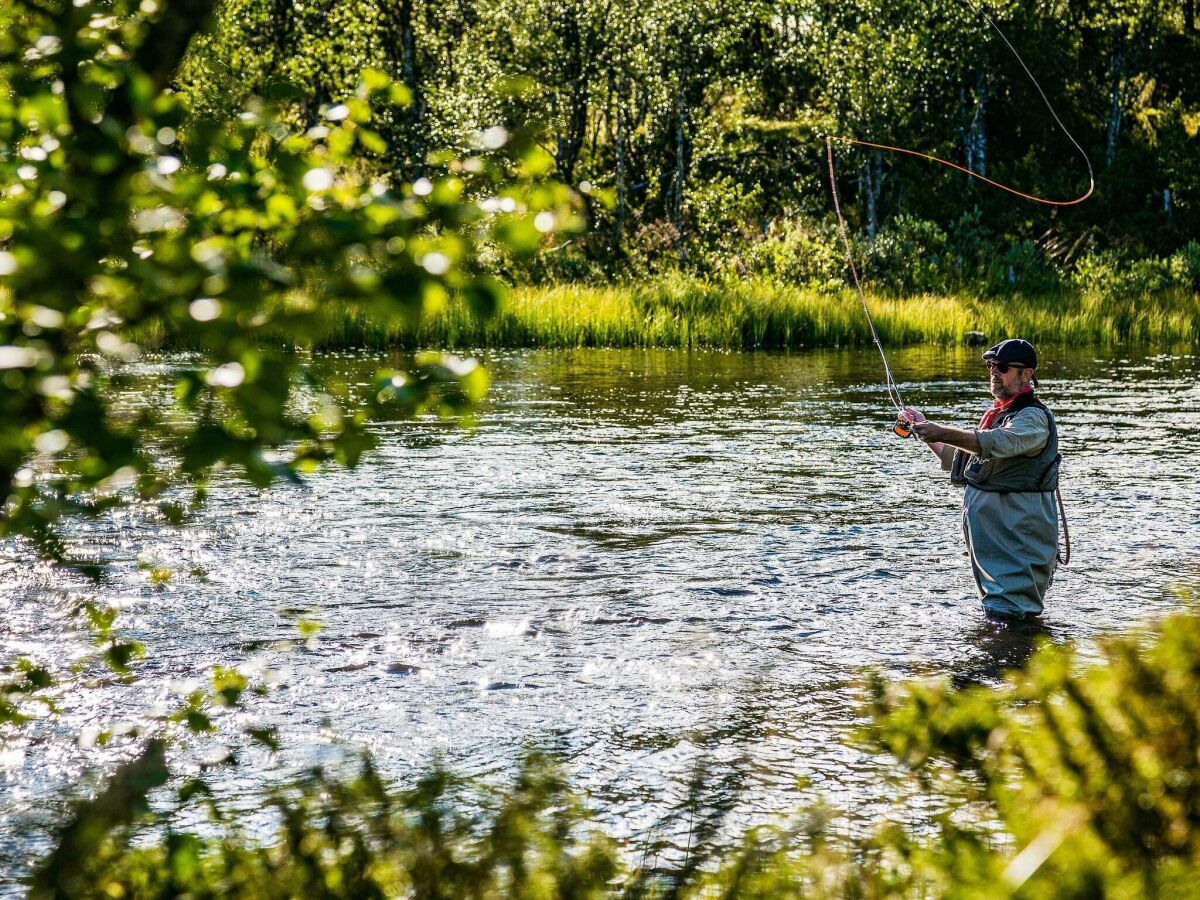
(693,132)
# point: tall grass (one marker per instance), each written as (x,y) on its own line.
(681,312)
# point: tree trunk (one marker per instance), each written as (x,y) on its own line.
(1114,119)
(975,133)
(279,19)
(977,130)
(569,142)
(680,165)
(416,109)
(281,29)
(1189,16)
(619,221)
(872,176)
(401,47)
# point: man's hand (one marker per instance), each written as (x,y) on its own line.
(930,431)
(924,429)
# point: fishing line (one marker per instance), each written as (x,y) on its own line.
(893,390)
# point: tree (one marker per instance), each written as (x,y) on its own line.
(128,225)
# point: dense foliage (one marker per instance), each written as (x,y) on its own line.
(1067,782)
(128,220)
(703,121)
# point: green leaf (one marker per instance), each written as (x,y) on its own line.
(308,628)
(118,656)
(268,737)
(198,722)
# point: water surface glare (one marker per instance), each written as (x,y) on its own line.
(642,560)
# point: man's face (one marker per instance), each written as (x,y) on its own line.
(1008,379)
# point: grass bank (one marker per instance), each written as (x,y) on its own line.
(678,312)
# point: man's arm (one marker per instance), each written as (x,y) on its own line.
(944,451)
(961,438)
(1025,434)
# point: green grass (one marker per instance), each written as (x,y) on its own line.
(679,312)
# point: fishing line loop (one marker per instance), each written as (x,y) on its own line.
(893,390)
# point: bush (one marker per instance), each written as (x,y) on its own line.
(910,255)
(579,260)
(1064,782)
(654,247)
(971,247)
(1111,274)
(1023,267)
(722,214)
(794,252)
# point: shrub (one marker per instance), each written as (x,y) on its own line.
(910,255)
(722,213)
(794,252)
(1065,782)
(654,247)
(1112,274)
(1023,267)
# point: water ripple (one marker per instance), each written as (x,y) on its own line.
(646,561)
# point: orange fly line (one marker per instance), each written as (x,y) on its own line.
(892,388)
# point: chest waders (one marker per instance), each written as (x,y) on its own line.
(1018,474)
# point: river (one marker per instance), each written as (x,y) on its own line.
(645,561)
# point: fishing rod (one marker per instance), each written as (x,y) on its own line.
(893,389)
(902,428)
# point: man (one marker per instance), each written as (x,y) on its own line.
(1009,467)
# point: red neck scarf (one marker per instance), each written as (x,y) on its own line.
(1000,406)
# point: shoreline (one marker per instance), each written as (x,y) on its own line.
(681,313)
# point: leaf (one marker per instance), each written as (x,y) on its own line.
(119,656)
(198,722)
(229,685)
(267,736)
(308,629)
(175,513)
(36,678)
(66,871)
(192,788)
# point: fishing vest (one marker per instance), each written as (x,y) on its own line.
(1037,473)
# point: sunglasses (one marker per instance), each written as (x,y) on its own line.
(1003,368)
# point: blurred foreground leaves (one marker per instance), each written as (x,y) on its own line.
(1068,781)
(128,224)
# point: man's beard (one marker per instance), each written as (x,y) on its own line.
(1000,393)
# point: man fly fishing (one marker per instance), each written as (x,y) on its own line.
(1009,468)
(1009,464)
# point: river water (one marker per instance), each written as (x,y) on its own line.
(645,561)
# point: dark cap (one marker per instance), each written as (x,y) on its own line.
(1014,350)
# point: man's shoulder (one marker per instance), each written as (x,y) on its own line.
(1029,400)
(1035,409)
(1036,416)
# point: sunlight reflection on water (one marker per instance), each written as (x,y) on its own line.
(640,560)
